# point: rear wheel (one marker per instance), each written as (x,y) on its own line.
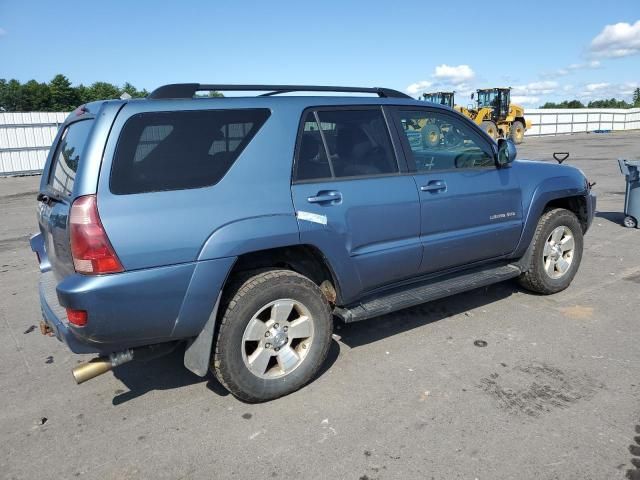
(490,128)
(630,222)
(273,337)
(517,132)
(557,252)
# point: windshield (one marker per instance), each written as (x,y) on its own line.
(487,98)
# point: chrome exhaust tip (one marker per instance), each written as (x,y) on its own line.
(98,366)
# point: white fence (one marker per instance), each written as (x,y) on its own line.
(25,138)
(580,120)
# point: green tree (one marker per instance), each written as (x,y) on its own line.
(103,91)
(564,104)
(609,103)
(36,97)
(636,97)
(63,96)
(133,91)
(11,96)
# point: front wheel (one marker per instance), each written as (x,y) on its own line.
(273,337)
(557,252)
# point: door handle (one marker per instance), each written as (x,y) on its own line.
(326,197)
(434,186)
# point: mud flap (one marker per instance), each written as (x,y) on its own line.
(198,353)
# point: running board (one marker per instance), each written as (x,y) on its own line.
(417,293)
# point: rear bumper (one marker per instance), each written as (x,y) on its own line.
(54,315)
(133,309)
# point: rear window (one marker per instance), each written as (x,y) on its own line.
(67,156)
(160,151)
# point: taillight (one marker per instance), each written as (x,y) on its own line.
(77,317)
(90,248)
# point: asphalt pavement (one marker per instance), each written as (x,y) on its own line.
(491,384)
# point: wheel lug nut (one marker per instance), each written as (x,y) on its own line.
(286,328)
(268,345)
(277,349)
(267,334)
(276,325)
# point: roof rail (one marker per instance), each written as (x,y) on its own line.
(188,90)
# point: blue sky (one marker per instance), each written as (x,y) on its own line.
(548,50)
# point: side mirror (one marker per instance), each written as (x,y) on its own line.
(506,152)
(472,95)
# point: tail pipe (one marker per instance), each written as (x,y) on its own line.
(100,365)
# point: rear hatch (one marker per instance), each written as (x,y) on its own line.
(56,194)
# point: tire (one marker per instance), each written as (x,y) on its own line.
(544,274)
(517,132)
(489,128)
(630,222)
(430,135)
(259,370)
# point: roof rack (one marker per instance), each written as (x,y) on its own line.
(188,90)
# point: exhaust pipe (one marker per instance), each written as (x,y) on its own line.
(100,365)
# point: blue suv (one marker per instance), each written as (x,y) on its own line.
(240,226)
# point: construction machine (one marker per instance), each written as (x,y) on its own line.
(493,112)
(441,98)
(496,115)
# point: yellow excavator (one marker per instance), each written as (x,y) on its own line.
(493,112)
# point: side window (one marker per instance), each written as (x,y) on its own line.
(358,142)
(442,142)
(312,162)
(67,156)
(358,145)
(159,151)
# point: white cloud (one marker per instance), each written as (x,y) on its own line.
(561,72)
(603,90)
(418,87)
(594,87)
(455,75)
(445,78)
(525,100)
(535,88)
(618,40)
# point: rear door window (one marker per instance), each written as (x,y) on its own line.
(68,155)
(160,151)
(357,145)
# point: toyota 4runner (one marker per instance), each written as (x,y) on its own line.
(240,226)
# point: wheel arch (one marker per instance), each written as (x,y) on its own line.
(555,192)
(304,259)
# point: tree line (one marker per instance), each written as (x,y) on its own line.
(610,103)
(59,95)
